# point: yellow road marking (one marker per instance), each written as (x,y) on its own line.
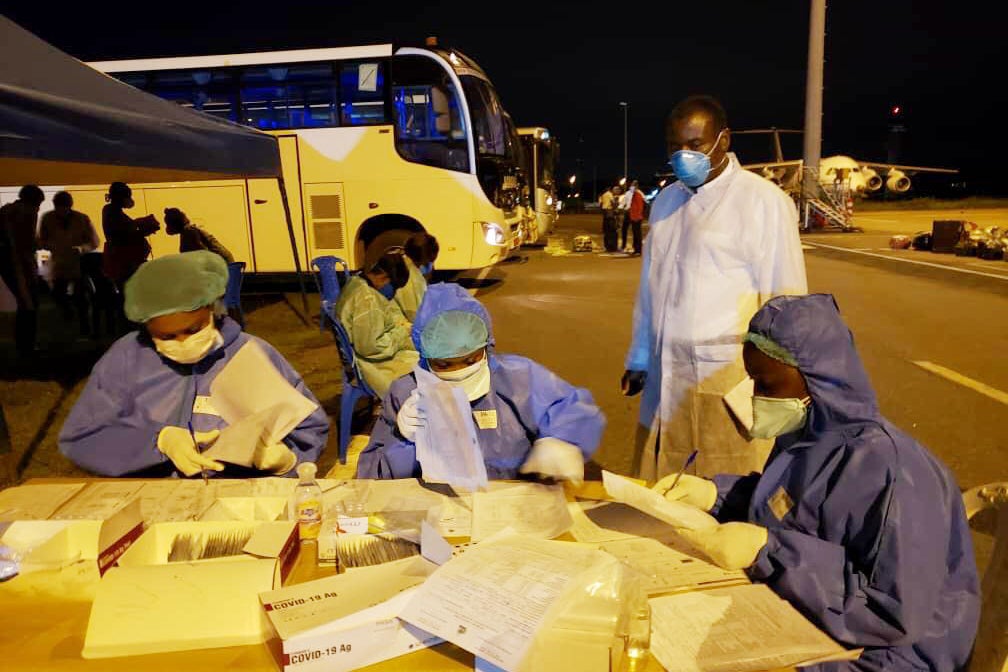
(975,385)
(955,269)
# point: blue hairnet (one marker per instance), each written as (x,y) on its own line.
(453,333)
(177,283)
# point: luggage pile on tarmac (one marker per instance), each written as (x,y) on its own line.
(959,237)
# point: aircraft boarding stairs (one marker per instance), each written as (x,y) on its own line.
(831,207)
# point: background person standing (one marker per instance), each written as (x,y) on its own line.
(18,266)
(723,241)
(68,235)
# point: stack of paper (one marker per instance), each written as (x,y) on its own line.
(493,599)
(738,629)
(530,509)
(35,502)
(258,404)
(678,515)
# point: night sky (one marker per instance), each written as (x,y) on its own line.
(567,66)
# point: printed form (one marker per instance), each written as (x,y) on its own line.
(493,598)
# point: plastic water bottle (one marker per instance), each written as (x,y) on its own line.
(308,502)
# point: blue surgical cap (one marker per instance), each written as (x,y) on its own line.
(771,348)
(177,283)
(453,333)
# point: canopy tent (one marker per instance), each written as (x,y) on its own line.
(63,123)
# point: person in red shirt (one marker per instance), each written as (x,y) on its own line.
(634,218)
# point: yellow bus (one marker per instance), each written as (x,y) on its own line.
(375,142)
(541,155)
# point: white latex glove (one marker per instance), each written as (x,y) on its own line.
(275,458)
(557,459)
(410,418)
(731,545)
(177,444)
(692,490)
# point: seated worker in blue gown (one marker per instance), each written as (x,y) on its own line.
(133,417)
(530,420)
(853,522)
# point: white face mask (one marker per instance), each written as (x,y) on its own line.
(473,379)
(192,349)
(773,417)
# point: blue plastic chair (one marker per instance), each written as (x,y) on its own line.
(232,295)
(354,385)
(328,280)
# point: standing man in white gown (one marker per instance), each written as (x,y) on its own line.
(723,241)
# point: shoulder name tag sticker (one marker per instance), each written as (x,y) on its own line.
(486,419)
(204,405)
(781,503)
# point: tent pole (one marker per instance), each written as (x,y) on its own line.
(293,243)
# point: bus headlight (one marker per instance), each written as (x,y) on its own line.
(549,200)
(493,234)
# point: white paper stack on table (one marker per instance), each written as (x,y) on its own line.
(508,599)
(737,629)
(258,404)
(446,446)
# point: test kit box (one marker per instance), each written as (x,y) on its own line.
(275,540)
(350,620)
(150,605)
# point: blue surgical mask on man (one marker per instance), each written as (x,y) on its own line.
(388,290)
(427,268)
(693,167)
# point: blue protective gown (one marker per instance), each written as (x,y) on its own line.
(530,401)
(133,393)
(868,536)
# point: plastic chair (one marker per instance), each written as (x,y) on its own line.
(354,385)
(328,280)
(990,652)
(232,295)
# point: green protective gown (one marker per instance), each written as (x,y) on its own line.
(379,332)
(409,296)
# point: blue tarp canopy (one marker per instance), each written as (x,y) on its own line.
(62,122)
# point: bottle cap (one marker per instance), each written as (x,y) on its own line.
(306,471)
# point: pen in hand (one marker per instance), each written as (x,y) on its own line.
(196,448)
(685,466)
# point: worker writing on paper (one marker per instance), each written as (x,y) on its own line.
(378,330)
(146,409)
(527,419)
(723,241)
(852,521)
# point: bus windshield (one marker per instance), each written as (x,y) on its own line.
(489,129)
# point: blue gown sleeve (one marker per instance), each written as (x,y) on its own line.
(308,439)
(388,454)
(563,411)
(878,588)
(106,432)
(734,494)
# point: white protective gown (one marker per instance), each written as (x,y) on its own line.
(711,259)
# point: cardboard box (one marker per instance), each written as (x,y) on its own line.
(53,544)
(276,541)
(181,606)
(350,620)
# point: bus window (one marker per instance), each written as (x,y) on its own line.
(429,124)
(208,91)
(362,93)
(282,97)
